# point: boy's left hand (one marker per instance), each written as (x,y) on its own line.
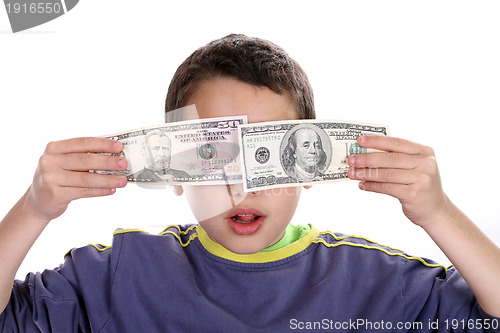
(405,170)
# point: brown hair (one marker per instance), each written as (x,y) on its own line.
(251,60)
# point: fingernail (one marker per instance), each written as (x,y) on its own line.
(122,182)
(362,139)
(362,185)
(117,146)
(112,191)
(121,163)
(351,172)
(351,160)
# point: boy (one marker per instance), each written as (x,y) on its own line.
(244,268)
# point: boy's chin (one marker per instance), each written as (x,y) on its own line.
(242,249)
(247,245)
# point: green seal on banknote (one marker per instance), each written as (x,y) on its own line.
(356,149)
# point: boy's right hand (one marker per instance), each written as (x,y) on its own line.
(63,174)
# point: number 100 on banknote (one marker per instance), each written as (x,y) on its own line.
(299,152)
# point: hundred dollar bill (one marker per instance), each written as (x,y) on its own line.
(299,152)
(202,151)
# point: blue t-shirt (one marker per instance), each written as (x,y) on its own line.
(182,281)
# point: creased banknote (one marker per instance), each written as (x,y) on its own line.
(299,152)
(202,151)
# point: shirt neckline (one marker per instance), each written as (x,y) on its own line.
(259,257)
(292,234)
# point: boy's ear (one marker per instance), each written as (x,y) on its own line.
(178,190)
(307,186)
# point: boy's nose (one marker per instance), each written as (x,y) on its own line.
(237,191)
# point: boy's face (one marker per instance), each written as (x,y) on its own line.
(242,222)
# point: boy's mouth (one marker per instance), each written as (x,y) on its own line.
(245,221)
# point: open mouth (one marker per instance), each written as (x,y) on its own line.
(245,218)
(245,221)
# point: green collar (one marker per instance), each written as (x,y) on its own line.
(295,240)
(292,234)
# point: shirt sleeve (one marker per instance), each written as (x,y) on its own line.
(71,298)
(442,301)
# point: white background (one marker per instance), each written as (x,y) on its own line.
(429,69)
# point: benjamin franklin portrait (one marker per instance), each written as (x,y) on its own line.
(303,157)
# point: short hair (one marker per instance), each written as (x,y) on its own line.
(252,60)
(287,158)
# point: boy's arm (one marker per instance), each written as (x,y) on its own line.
(62,176)
(409,172)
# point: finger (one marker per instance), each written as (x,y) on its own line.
(394,190)
(397,176)
(84,145)
(385,160)
(88,161)
(395,145)
(73,193)
(91,180)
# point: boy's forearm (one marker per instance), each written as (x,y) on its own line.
(474,255)
(18,231)
(408,171)
(62,176)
